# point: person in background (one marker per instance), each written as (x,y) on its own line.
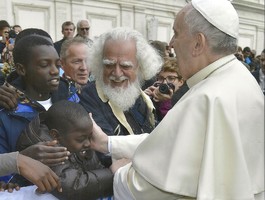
(36,172)
(161,48)
(83,27)
(68,30)
(210,145)
(7,55)
(121,60)
(168,81)
(4,30)
(82,176)
(8,72)
(74,58)
(17,29)
(259,74)
(247,55)
(240,56)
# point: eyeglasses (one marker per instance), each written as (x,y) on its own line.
(169,79)
(87,29)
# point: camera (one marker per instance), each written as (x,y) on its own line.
(12,34)
(165,88)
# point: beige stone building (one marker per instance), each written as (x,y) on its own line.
(153,18)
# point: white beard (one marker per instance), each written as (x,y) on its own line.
(123,98)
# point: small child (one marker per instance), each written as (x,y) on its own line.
(82,176)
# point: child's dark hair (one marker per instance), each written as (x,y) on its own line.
(63,115)
(22,52)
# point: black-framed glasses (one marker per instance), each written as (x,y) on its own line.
(169,79)
(87,29)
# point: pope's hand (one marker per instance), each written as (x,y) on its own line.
(99,140)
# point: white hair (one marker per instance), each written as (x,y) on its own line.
(149,60)
(80,21)
(218,41)
(123,98)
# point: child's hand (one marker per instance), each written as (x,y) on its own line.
(8,186)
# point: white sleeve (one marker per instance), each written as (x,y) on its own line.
(130,185)
(125,146)
(120,187)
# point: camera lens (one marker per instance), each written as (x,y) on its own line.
(163,88)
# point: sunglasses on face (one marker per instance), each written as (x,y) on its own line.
(82,29)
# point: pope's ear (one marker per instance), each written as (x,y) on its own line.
(20,69)
(54,134)
(199,44)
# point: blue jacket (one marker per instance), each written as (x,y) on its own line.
(13,122)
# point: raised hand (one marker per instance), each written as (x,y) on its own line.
(99,140)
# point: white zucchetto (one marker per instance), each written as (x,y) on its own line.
(220,13)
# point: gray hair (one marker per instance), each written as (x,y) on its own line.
(218,41)
(80,21)
(67,43)
(149,60)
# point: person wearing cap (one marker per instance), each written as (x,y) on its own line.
(206,147)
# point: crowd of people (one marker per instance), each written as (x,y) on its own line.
(124,118)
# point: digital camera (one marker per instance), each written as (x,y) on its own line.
(165,88)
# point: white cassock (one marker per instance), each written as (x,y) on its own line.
(210,145)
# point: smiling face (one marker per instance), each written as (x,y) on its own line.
(77,139)
(41,74)
(120,64)
(75,63)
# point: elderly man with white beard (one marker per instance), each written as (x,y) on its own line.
(121,60)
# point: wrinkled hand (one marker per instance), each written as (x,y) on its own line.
(99,140)
(39,174)
(47,153)
(8,186)
(118,164)
(8,97)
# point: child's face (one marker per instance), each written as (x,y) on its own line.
(78,139)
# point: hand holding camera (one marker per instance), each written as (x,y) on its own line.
(164,88)
(162,91)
